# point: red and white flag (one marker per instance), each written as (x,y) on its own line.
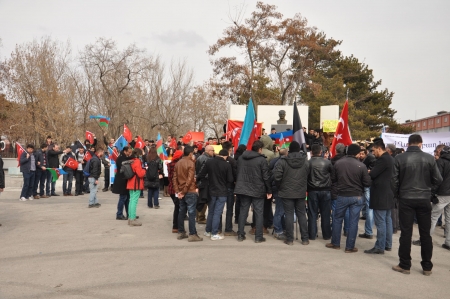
(72,163)
(90,137)
(342,134)
(139,143)
(87,156)
(127,133)
(187,138)
(19,150)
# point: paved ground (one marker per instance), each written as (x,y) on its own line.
(58,248)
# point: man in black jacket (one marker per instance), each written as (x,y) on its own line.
(350,176)
(382,197)
(291,175)
(253,185)
(53,162)
(67,178)
(415,174)
(319,193)
(95,170)
(27,163)
(120,184)
(278,217)
(203,193)
(41,172)
(228,146)
(220,176)
(367,213)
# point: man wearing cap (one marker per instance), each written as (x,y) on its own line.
(351,177)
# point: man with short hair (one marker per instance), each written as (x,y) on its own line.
(27,162)
(253,186)
(53,162)
(273,131)
(220,176)
(120,184)
(41,172)
(382,197)
(369,161)
(228,146)
(79,176)
(203,184)
(350,176)
(67,178)
(415,175)
(390,149)
(278,217)
(95,170)
(184,185)
(319,193)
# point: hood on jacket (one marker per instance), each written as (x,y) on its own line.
(295,160)
(248,155)
(267,141)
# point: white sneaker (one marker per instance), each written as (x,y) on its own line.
(217,237)
(159,198)
(22,199)
(31,198)
(206,234)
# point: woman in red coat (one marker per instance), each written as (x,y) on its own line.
(135,185)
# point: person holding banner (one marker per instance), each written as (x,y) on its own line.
(67,178)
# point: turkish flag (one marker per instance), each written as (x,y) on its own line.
(19,150)
(90,137)
(87,156)
(256,133)
(127,133)
(139,143)
(72,163)
(187,138)
(113,154)
(342,134)
(199,145)
(173,144)
(234,128)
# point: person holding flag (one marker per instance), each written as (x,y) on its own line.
(28,169)
(53,162)
(69,164)
(91,140)
(41,174)
(79,177)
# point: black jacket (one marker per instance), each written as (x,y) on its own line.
(350,176)
(253,175)
(52,156)
(443,164)
(415,174)
(291,175)
(39,157)
(370,161)
(333,160)
(120,184)
(272,164)
(2,174)
(95,167)
(25,163)
(320,172)
(381,195)
(233,164)
(219,175)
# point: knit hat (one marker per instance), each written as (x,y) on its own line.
(353,149)
(294,147)
(177,155)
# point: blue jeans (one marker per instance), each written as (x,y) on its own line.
(93,189)
(383,222)
(39,180)
(319,200)
(347,215)
(187,203)
(28,184)
(153,192)
(215,210)
(279,214)
(67,181)
(354,204)
(123,202)
(369,213)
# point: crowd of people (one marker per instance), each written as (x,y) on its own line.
(393,188)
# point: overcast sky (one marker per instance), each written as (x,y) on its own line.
(406,43)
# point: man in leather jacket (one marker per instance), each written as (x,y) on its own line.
(415,174)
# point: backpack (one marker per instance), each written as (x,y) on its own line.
(126,169)
(87,168)
(152,174)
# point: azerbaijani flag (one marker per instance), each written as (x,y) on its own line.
(56,172)
(104,122)
(160,148)
(287,137)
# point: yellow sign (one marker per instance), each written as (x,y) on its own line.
(330,125)
(217,148)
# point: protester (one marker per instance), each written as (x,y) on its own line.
(267,151)
(185,190)
(106,166)
(228,146)
(153,175)
(291,177)
(120,185)
(319,193)
(67,178)
(204,195)
(278,217)
(253,186)
(220,176)
(391,150)
(369,161)
(382,197)
(237,207)
(95,170)
(350,176)
(2,176)
(415,174)
(53,162)
(79,176)
(340,153)
(135,185)
(171,168)
(28,169)
(41,172)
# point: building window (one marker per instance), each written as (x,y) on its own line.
(438,121)
(418,125)
(445,119)
(424,123)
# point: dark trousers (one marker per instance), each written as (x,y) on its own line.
(48,183)
(67,181)
(79,181)
(319,201)
(395,221)
(39,180)
(237,208)
(124,201)
(106,178)
(258,208)
(86,185)
(229,214)
(176,211)
(268,213)
(28,184)
(406,210)
(297,205)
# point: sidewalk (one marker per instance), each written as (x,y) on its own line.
(58,248)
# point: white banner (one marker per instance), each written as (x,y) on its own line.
(430,140)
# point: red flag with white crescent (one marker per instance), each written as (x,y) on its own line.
(139,143)
(87,156)
(72,163)
(187,138)
(127,133)
(90,137)
(342,134)
(19,150)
